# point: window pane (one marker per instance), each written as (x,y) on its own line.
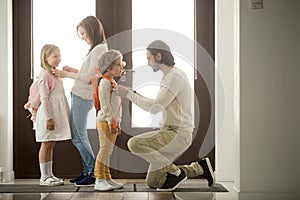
(55,22)
(159,15)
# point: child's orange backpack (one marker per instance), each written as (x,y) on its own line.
(95,82)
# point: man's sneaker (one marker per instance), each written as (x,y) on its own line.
(49,181)
(172,182)
(114,184)
(78,178)
(102,185)
(207,171)
(88,180)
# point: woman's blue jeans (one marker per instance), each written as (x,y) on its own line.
(78,122)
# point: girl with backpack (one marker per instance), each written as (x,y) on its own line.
(52,117)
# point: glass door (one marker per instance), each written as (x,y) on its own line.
(166,26)
(55,22)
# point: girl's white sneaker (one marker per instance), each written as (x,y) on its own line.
(102,185)
(58,179)
(49,181)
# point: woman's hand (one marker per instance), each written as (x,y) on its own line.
(63,73)
(59,73)
(69,69)
(50,125)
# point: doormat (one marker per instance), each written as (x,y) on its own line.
(185,187)
(129,187)
(36,188)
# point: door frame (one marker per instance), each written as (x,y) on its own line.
(25,149)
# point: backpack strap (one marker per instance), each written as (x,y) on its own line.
(113,83)
(50,81)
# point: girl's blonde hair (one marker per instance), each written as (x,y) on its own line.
(46,52)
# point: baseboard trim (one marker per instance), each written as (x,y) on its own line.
(265,195)
(8,177)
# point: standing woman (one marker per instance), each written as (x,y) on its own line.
(92,32)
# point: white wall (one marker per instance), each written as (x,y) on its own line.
(6,130)
(224,90)
(269,100)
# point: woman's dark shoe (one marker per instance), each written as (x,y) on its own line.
(88,180)
(79,178)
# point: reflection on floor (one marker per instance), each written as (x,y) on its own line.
(120,195)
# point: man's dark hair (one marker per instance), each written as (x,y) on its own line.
(161,47)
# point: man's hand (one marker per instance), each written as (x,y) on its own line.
(122,90)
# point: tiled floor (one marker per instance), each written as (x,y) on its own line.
(119,195)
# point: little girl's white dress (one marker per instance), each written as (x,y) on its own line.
(54,104)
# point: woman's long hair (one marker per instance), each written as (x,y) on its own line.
(94,29)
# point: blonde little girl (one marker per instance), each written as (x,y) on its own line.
(52,117)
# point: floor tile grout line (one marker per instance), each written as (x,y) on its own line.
(173,195)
